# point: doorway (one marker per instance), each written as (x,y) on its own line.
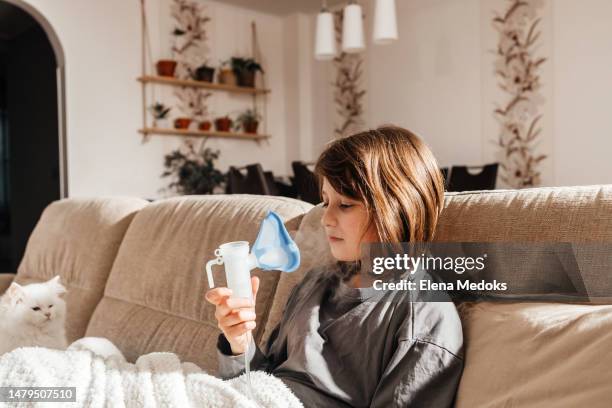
(32,134)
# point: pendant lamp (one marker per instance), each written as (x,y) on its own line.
(385,22)
(325,41)
(352,29)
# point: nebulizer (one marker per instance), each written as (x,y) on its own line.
(273,250)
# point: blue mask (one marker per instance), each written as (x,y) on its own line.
(274,249)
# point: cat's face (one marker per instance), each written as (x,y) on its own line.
(37,304)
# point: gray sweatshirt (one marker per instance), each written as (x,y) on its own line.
(338,346)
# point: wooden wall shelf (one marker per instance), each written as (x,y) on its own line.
(201,84)
(200,133)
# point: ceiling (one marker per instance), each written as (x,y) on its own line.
(282,7)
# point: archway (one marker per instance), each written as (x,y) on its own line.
(33,165)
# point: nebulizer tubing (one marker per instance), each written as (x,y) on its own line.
(247,367)
(273,250)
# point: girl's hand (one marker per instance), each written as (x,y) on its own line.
(235,316)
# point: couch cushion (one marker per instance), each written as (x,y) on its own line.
(154,298)
(552,355)
(5,281)
(78,239)
(579,217)
(548,214)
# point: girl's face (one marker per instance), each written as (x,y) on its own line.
(346,224)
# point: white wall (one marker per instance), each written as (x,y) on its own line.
(101,41)
(583,91)
(438,81)
(299,88)
(429,80)
(435,80)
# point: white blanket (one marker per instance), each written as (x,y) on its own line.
(103,378)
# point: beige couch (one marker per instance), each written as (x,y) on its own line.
(134,271)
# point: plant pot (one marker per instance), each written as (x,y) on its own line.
(161,123)
(250,126)
(227,77)
(166,67)
(223,124)
(182,123)
(204,73)
(205,126)
(246,78)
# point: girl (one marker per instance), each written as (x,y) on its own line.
(337,346)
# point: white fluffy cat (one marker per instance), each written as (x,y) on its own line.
(33,315)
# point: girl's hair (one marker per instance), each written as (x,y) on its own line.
(393,172)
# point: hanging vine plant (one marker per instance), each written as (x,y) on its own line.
(348,92)
(517,69)
(190,50)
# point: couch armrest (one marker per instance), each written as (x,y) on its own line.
(5,281)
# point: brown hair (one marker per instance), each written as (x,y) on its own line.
(393,172)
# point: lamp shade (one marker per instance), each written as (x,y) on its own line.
(385,22)
(325,41)
(352,29)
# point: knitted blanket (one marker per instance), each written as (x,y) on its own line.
(103,378)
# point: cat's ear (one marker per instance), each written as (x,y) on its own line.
(56,285)
(15,293)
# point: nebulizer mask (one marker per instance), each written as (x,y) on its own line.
(273,250)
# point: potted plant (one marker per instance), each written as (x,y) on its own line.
(182,123)
(195,172)
(160,114)
(249,120)
(245,70)
(166,67)
(223,124)
(205,125)
(204,73)
(226,74)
